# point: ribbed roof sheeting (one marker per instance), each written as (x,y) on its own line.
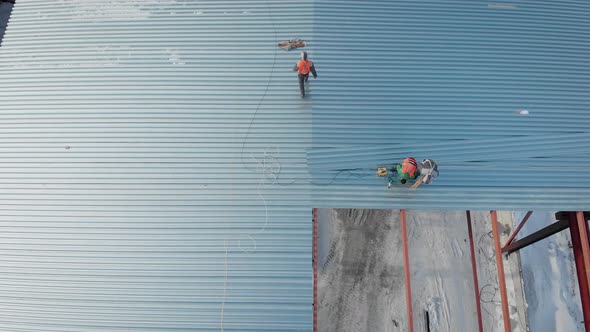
(153,167)
(442,80)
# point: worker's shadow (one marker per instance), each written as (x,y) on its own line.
(308,89)
(306,102)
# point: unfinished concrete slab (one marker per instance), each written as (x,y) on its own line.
(361,278)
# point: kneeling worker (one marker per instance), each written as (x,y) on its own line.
(407,170)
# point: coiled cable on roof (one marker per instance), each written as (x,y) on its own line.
(269,175)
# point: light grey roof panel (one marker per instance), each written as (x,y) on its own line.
(146,149)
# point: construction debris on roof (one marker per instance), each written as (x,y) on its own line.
(382,171)
(291,44)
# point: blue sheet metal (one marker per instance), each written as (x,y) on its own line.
(445,80)
(153,167)
(159,168)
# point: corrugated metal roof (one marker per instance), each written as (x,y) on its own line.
(155,153)
(153,167)
(442,80)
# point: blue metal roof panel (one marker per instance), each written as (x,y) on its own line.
(145,144)
(153,171)
(442,80)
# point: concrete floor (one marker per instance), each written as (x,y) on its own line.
(361,277)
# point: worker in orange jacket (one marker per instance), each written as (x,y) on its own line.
(303,68)
(406,170)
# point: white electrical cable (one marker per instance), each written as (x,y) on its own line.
(224,286)
(267,173)
(269,168)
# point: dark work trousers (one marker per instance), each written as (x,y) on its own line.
(302,79)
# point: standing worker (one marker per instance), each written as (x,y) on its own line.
(303,68)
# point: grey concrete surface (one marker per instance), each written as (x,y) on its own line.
(361,276)
(358,277)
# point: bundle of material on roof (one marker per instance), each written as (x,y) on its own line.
(291,44)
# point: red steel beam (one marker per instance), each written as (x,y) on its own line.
(581,270)
(315,270)
(474,269)
(584,242)
(501,277)
(524,220)
(404,232)
(537,236)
